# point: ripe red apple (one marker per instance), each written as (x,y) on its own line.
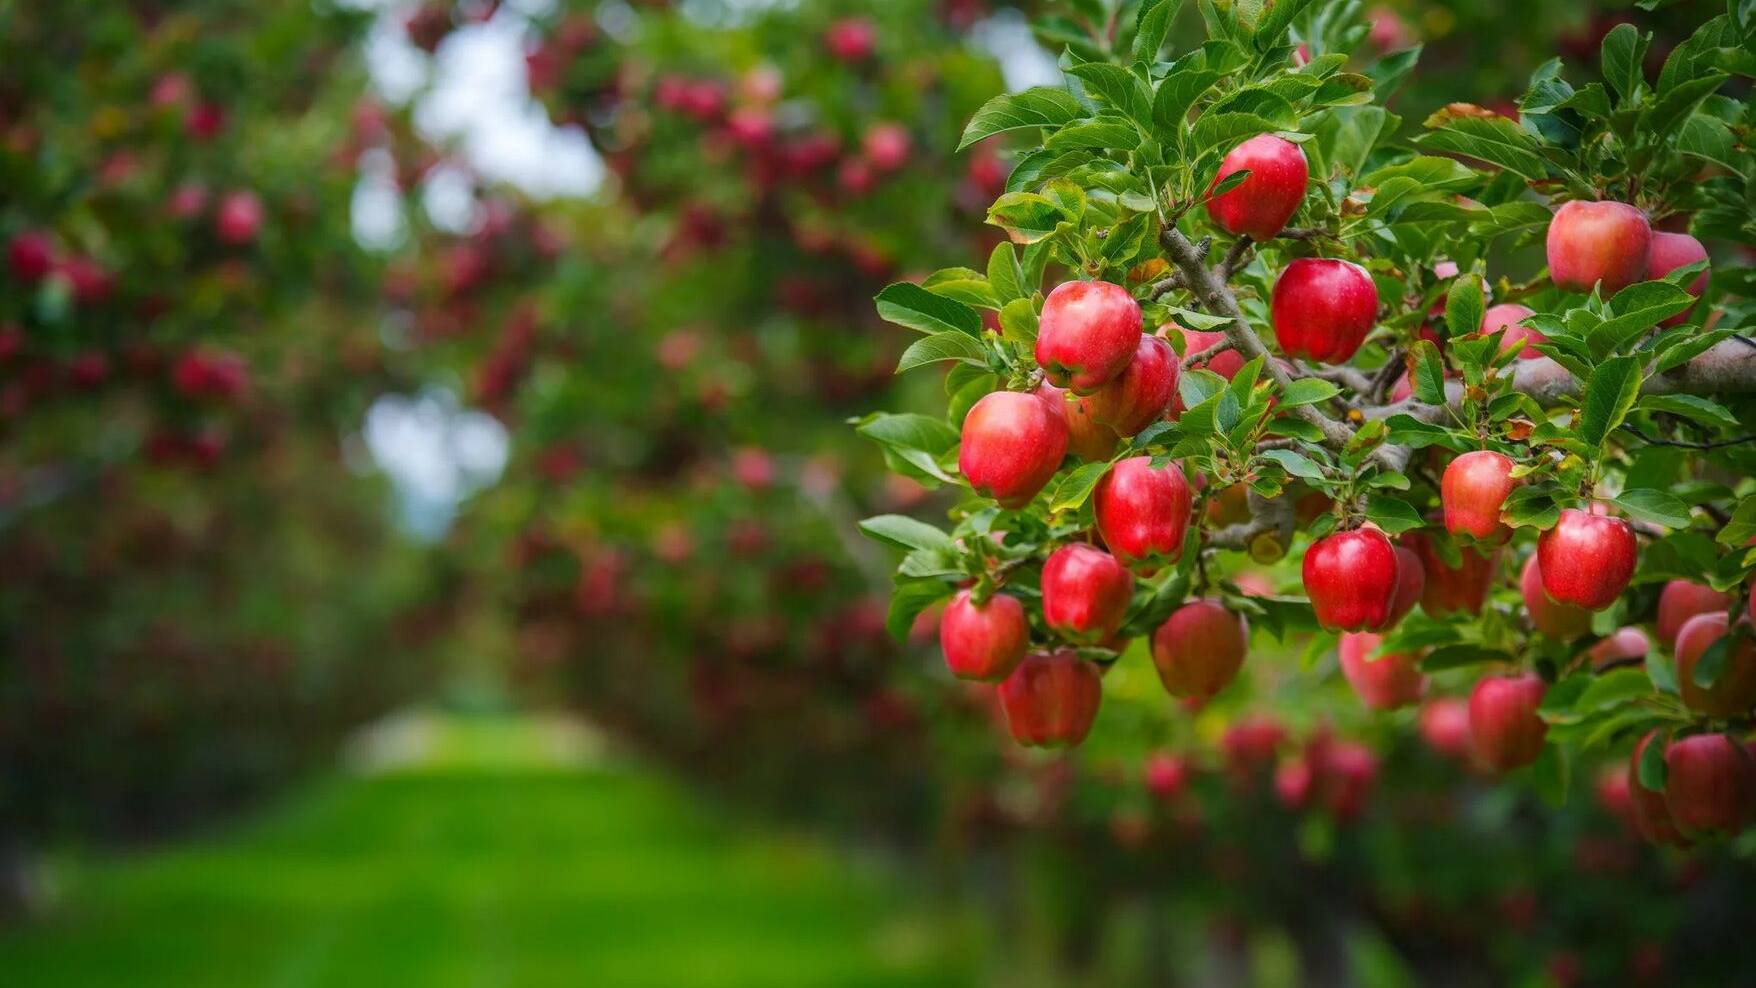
(1250,744)
(1587,559)
(1734,690)
(1142,393)
(1593,242)
(1626,643)
(1681,600)
(1199,649)
(1165,775)
(1444,725)
(1559,621)
(1086,593)
(1452,591)
(238,220)
(1510,317)
(852,39)
(1087,438)
(1670,251)
(1411,581)
(1051,699)
(887,146)
(1143,513)
(1322,309)
(1710,785)
(31,256)
(983,641)
(1652,815)
(1503,721)
(1473,493)
(1349,771)
(1351,578)
(1012,444)
(1088,333)
(1382,682)
(1267,198)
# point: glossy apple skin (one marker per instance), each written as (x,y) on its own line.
(1626,643)
(1452,591)
(1199,649)
(1559,621)
(1473,492)
(983,642)
(1444,725)
(1710,786)
(1143,513)
(1012,444)
(1267,198)
(1382,682)
(1322,309)
(1681,600)
(1734,691)
(1670,251)
(1503,722)
(1510,317)
(1411,581)
(1652,814)
(1586,559)
(1087,438)
(1143,392)
(1088,332)
(1085,593)
(1351,578)
(1051,699)
(1589,242)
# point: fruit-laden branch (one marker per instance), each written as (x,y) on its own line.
(1268,516)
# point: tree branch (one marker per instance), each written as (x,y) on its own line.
(1267,518)
(1234,257)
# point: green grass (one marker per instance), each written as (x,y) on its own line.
(489,864)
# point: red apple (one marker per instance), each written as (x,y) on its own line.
(1670,251)
(1260,205)
(1012,444)
(1051,699)
(1143,513)
(1088,333)
(1473,493)
(1086,593)
(983,641)
(1734,691)
(1503,721)
(1349,771)
(238,220)
(1652,816)
(852,39)
(1593,242)
(1411,581)
(1226,363)
(1165,775)
(1510,317)
(1384,682)
(1087,438)
(1587,559)
(1710,785)
(1352,578)
(1452,591)
(31,256)
(1560,621)
(1143,392)
(1444,725)
(1250,744)
(1681,600)
(1626,643)
(1322,309)
(887,146)
(1199,649)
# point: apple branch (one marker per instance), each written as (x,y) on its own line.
(1268,517)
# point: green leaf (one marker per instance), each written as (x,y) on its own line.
(1406,430)
(1461,655)
(1294,463)
(1676,106)
(1429,372)
(918,309)
(1098,134)
(1274,24)
(1041,106)
(1620,58)
(1662,671)
(1018,321)
(908,600)
(1637,309)
(1551,774)
(1657,507)
(1742,526)
(1392,514)
(1482,134)
(1152,23)
(1609,395)
(1176,94)
(918,440)
(1225,131)
(1308,391)
(1464,306)
(1116,86)
(1613,689)
(1075,488)
(907,533)
(1005,276)
(1027,216)
(950,345)
(1712,663)
(1532,507)
(1651,771)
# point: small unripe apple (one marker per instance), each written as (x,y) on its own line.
(1086,593)
(1322,309)
(1088,333)
(1143,513)
(1510,317)
(1587,559)
(1503,721)
(1411,581)
(983,641)
(1559,621)
(1593,242)
(1012,444)
(1051,699)
(1670,251)
(1142,393)
(1625,644)
(1473,492)
(1351,578)
(1087,438)
(1199,649)
(1734,690)
(1444,725)
(1452,591)
(1267,198)
(1382,682)
(1710,785)
(1652,815)
(1681,600)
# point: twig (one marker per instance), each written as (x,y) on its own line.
(1684,443)
(1347,377)
(1230,263)
(1267,517)
(1305,233)
(1207,353)
(1165,286)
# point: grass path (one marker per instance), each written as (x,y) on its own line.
(483,860)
